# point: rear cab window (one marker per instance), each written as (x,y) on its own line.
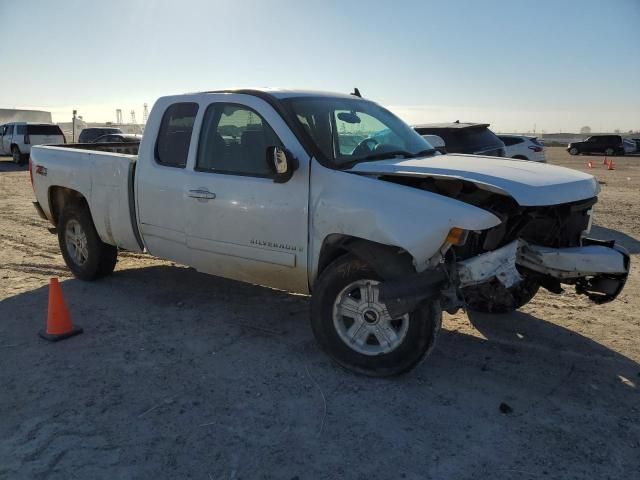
(43,130)
(174,136)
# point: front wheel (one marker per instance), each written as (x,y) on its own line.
(609,152)
(85,254)
(573,151)
(354,327)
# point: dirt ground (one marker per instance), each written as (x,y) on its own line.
(182,375)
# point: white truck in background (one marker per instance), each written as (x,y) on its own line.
(17,138)
(329,195)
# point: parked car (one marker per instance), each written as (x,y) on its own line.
(16,139)
(523,147)
(118,138)
(266,187)
(629,146)
(472,138)
(88,135)
(637,140)
(607,144)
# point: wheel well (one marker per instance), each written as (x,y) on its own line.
(14,145)
(387,260)
(61,197)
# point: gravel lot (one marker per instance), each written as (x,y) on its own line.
(183,375)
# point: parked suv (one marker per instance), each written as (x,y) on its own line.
(523,147)
(88,135)
(607,144)
(16,139)
(472,138)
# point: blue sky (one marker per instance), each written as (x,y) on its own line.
(557,64)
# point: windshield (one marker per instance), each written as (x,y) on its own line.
(348,131)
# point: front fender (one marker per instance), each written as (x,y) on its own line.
(365,207)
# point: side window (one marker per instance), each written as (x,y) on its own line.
(22,129)
(234,139)
(174,136)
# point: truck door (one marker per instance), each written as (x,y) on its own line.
(239,223)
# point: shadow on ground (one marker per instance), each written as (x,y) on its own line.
(621,238)
(7,165)
(184,375)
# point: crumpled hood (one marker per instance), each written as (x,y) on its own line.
(529,183)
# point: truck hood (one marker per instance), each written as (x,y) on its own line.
(528,183)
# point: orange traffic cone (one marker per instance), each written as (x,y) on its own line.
(589,164)
(59,324)
(611,165)
(605,161)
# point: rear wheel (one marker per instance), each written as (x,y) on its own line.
(85,254)
(573,151)
(609,151)
(493,297)
(17,156)
(354,327)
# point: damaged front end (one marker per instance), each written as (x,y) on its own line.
(500,269)
(597,269)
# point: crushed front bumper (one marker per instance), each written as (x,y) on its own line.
(598,269)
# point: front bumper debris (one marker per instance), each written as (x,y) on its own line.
(500,264)
(598,269)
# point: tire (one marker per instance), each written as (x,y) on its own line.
(573,151)
(17,156)
(85,254)
(408,339)
(493,297)
(609,152)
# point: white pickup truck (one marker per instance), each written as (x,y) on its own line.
(330,195)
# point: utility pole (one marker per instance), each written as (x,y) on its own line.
(73,123)
(119,116)
(145,113)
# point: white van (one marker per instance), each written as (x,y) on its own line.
(16,139)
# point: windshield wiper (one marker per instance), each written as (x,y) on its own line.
(396,153)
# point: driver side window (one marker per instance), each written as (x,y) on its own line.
(350,134)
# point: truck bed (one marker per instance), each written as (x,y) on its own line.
(104,177)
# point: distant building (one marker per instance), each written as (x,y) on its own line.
(11,115)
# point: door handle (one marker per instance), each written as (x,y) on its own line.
(202,194)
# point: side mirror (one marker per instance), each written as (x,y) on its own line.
(281,164)
(436,142)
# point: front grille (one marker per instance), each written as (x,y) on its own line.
(556,226)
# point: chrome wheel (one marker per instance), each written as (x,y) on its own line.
(76,242)
(362,320)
